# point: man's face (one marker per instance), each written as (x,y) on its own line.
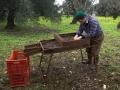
(82,20)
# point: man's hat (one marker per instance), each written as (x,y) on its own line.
(80,15)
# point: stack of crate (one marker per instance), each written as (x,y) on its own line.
(18,68)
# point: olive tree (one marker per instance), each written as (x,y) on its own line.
(108,6)
(16,11)
(72,6)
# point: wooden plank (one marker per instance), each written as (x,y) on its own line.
(58,38)
(32,52)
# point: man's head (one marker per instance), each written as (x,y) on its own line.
(81,16)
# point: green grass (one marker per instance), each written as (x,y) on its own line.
(65,25)
(19,37)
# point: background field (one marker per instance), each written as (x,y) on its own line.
(60,78)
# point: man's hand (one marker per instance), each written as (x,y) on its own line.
(77,37)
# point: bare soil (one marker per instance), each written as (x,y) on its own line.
(68,73)
(52,44)
(69,38)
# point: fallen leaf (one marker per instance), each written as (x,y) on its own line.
(104,86)
(5,72)
(74,59)
(63,67)
(70,72)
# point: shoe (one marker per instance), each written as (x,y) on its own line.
(86,62)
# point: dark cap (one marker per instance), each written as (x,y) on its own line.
(80,15)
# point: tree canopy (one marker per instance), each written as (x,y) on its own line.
(72,6)
(104,7)
(110,7)
(16,11)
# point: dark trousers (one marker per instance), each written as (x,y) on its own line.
(93,51)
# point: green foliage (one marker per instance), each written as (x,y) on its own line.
(4,80)
(47,9)
(72,6)
(113,68)
(108,6)
(22,10)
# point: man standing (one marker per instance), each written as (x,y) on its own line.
(93,30)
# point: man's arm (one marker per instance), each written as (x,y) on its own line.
(93,29)
(80,31)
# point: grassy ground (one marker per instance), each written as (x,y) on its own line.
(66,72)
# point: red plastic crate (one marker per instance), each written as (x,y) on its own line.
(20,66)
(18,69)
(16,55)
(19,79)
(17,63)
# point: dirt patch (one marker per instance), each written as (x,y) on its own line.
(70,38)
(68,73)
(52,44)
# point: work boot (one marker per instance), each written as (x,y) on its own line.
(95,63)
(89,61)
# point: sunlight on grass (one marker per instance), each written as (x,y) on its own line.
(108,24)
(64,26)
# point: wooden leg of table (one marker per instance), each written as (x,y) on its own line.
(49,65)
(81,54)
(41,68)
(40,60)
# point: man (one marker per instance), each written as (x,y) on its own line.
(93,30)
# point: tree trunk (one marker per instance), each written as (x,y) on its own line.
(74,21)
(68,15)
(10,21)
